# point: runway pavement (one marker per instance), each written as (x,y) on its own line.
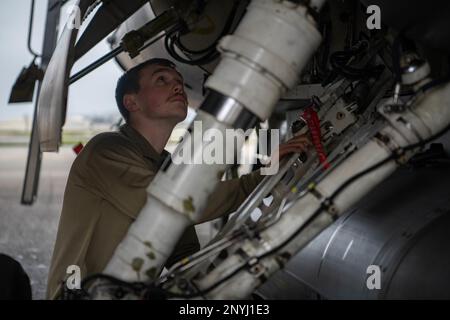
(28,233)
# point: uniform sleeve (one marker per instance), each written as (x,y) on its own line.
(122,176)
(104,193)
(119,175)
(230,194)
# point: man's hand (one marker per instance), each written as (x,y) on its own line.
(299,143)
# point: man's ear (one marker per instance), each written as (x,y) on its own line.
(129,102)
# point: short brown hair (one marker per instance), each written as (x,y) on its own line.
(129,82)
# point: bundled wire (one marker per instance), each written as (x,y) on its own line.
(313,122)
(396,154)
(341,62)
(207,54)
(169,43)
(149,290)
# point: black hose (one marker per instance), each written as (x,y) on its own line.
(210,53)
(395,155)
(30,29)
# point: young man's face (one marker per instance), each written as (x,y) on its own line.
(161,93)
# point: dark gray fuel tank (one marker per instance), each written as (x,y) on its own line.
(402,226)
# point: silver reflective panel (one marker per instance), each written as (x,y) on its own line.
(53,96)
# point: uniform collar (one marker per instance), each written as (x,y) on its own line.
(143,145)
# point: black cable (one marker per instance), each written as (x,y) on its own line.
(169,44)
(395,155)
(210,53)
(225,30)
(205,291)
(131,285)
(339,62)
(396,54)
(354,72)
(30,29)
(208,57)
(168,294)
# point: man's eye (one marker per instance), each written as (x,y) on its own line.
(161,79)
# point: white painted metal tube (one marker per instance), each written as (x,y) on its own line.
(265,55)
(430,115)
(179,193)
(145,249)
(176,199)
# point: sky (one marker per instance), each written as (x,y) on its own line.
(91,95)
